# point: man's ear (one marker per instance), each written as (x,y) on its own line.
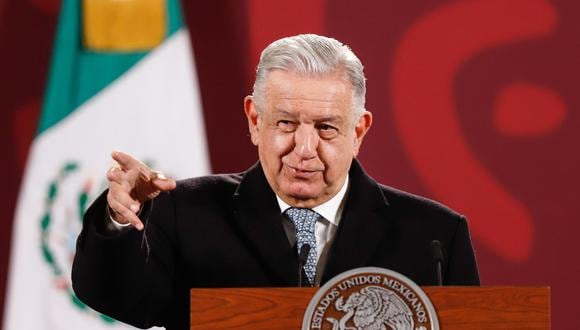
(360,130)
(253,118)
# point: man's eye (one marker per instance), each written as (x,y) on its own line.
(327,131)
(286,125)
(325,127)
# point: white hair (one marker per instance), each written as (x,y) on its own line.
(311,54)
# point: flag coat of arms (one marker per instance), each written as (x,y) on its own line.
(122,77)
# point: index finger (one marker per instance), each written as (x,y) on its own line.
(125,160)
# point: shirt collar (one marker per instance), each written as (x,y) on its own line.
(330,210)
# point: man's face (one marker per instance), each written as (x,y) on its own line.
(306,135)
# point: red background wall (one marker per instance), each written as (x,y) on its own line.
(473,104)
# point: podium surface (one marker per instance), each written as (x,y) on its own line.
(494,307)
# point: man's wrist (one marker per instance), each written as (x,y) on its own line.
(114,225)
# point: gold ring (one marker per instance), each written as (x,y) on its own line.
(113,167)
(157,175)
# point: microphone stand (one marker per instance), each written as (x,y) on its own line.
(438,257)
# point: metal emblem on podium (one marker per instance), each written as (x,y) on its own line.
(370,298)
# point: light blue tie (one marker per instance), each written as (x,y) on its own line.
(304,221)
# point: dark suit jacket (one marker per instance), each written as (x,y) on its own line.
(226,231)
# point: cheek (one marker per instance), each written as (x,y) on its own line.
(336,156)
(275,145)
(280,143)
(344,147)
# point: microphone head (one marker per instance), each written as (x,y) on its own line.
(436,251)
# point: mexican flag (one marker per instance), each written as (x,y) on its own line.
(122,78)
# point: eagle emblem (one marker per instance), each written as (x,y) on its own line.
(370,298)
(372,308)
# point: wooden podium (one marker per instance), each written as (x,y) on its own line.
(457,307)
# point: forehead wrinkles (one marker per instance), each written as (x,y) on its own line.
(288,82)
(323,96)
(285,95)
(291,104)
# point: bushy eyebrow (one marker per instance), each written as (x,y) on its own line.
(329,119)
(283,112)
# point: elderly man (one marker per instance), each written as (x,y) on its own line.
(307,202)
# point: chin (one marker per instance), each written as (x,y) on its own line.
(303,194)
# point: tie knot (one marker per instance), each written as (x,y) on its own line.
(303,219)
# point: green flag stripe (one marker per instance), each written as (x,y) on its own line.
(76,74)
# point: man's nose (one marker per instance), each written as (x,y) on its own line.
(307,139)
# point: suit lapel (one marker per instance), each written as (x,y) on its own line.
(260,222)
(363,225)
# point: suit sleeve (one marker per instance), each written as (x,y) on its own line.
(127,275)
(462,265)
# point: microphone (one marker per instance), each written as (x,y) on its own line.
(302,256)
(437,254)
